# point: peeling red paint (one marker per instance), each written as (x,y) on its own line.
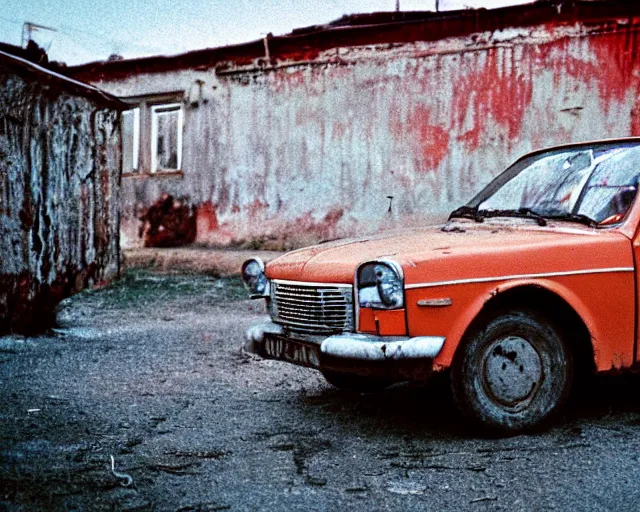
(255,207)
(615,58)
(339,130)
(291,79)
(606,61)
(495,90)
(324,229)
(433,138)
(635,120)
(207,217)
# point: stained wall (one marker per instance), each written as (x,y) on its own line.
(306,149)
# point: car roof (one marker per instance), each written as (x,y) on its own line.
(581,144)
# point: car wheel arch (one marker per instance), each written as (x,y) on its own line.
(554,301)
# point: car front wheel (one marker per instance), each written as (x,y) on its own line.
(513,373)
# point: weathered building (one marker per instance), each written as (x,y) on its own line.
(373,121)
(59,190)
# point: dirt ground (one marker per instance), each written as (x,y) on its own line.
(149,371)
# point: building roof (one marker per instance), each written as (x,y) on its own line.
(368,29)
(17,60)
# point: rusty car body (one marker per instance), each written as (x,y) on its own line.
(530,285)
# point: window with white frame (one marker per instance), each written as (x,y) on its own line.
(166,137)
(130,126)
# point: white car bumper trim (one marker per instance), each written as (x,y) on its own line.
(377,348)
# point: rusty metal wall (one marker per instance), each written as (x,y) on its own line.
(59,198)
(301,152)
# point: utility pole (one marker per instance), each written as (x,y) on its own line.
(397,5)
(28,28)
(437,5)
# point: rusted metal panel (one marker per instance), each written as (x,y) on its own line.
(59,193)
(299,151)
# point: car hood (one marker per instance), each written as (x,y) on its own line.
(460,250)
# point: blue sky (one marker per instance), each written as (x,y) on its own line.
(90,30)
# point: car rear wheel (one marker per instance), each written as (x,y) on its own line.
(513,373)
(357,383)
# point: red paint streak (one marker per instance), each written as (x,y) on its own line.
(259,230)
(206,218)
(421,127)
(255,208)
(605,61)
(635,120)
(433,139)
(495,91)
(306,228)
(339,130)
(613,67)
(324,229)
(289,80)
(331,219)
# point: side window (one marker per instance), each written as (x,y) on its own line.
(613,185)
(130,127)
(166,137)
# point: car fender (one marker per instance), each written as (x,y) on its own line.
(612,336)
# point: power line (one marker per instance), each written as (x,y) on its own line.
(66,29)
(73,32)
(92,47)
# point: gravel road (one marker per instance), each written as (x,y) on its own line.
(149,371)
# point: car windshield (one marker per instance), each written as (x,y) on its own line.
(593,184)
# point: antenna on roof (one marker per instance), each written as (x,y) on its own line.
(28,28)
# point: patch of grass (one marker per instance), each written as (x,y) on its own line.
(137,287)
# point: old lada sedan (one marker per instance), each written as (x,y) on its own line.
(521,291)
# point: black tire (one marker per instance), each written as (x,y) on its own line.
(513,374)
(356,383)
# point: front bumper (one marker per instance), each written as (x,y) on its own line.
(362,354)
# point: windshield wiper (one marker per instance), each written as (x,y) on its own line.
(575,217)
(467,212)
(526,213)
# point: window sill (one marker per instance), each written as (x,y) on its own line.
(157,174)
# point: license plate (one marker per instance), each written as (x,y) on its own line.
(292,351)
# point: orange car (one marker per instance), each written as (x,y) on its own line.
(529,285)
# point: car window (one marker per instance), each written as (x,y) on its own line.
(598,182)
(612,186)
(545,186)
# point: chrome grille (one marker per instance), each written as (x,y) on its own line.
(312,308)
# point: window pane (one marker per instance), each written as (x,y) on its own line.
(130,139)
(167,126)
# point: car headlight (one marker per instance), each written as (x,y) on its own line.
(380,285)
(255,280)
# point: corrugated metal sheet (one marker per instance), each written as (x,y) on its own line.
(300,151)
(59,191)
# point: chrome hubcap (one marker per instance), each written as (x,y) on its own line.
(512,370)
